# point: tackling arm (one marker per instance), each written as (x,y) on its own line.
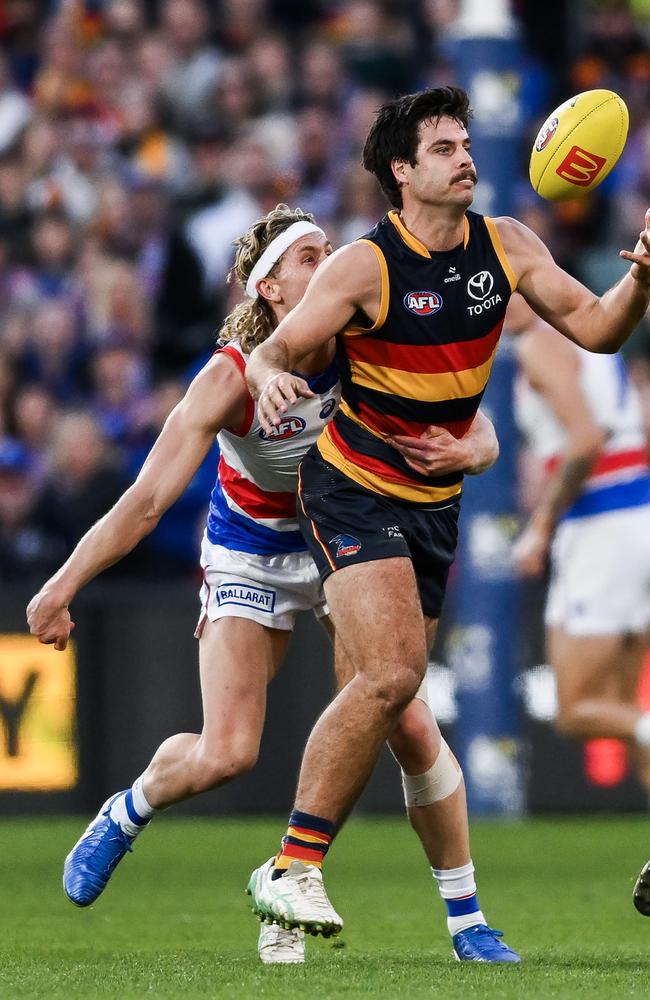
(347,281)
(437,452)
(215,399)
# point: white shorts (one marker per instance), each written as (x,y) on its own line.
(600,582)
(266,589)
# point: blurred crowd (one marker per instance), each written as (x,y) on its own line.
(138,138)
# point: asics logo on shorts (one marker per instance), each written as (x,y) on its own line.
(346,545)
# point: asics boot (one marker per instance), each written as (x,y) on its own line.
(295,900)
(481,943)
(94,857)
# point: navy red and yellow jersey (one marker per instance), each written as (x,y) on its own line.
(425,360)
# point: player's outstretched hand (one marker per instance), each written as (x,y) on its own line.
(280,392)
(49,620)
(435,452)
(640,256)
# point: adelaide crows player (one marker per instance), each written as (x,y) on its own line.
(416,344)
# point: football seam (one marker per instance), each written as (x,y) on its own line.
(569,134)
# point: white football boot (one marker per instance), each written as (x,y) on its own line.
(296,899)
(278,946)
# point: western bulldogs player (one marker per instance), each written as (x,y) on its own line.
(582,417)
(257,570)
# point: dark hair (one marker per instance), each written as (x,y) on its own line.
(394,134)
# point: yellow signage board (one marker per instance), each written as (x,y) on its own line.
(37,716)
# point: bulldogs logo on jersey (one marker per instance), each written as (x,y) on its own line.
(423,303)
(288,427)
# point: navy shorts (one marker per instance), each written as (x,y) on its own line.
(344,523)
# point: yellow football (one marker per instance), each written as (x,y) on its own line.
(578,145)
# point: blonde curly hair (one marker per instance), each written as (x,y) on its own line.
(253,320)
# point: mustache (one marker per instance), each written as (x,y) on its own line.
(465,175)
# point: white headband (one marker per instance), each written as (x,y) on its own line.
(274,251)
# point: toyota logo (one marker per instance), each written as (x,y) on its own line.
(480,285)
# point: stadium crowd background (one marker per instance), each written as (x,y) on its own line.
(139,137)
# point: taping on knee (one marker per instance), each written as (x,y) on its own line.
(440,781)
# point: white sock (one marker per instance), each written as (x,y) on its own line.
(140,803)
(132,811)
(642,730)
(457,887)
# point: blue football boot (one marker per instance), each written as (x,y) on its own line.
(94,857)
(481,943)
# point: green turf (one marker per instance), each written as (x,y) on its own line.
(175,921)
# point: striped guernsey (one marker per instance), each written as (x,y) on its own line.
(426,359)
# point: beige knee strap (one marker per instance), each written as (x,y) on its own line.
(437,783)
(423,691)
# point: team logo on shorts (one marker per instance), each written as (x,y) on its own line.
(346,545)
(423,303)
(287,428)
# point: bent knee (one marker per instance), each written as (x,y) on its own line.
(396,688)
(414,728)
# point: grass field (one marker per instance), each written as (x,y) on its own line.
(175,921)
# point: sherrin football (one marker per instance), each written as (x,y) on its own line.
(578,145)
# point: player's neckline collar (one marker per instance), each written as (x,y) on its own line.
(417,245)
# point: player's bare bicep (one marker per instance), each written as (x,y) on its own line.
(346,282)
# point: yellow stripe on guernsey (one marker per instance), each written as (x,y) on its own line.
(412,492)
(500,252)
(384,298)
(413,242)
(427,388)
(300,833)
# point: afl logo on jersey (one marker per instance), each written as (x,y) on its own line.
(287,428)
(423,303)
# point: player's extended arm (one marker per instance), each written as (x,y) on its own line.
(346,282)
(600,324)
(437,452)
(216,398)
(551,366)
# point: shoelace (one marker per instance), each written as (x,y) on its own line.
(278,935)
(484,929)
(281,943)
(311,885)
